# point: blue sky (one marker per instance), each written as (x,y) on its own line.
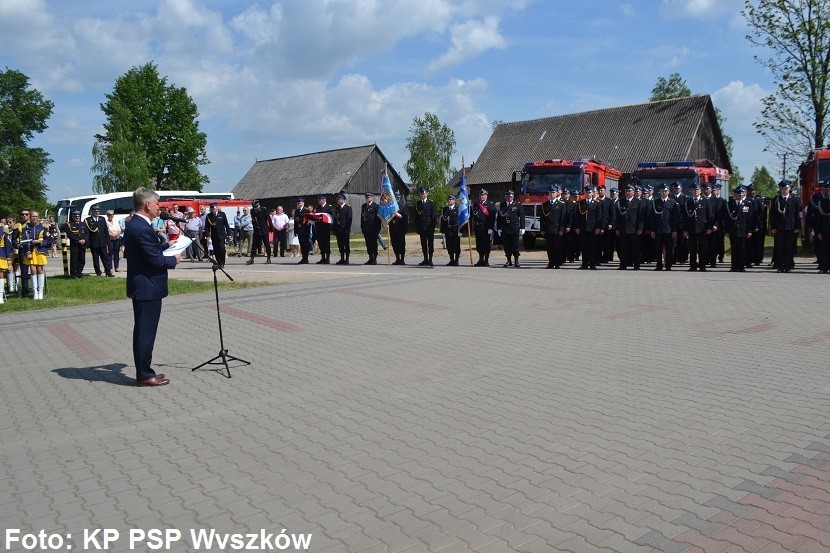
(273,79)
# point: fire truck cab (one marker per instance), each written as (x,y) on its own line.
(815,169)
(698,171)
(536,178)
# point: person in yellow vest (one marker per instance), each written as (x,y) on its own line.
(5,254)
(35,244)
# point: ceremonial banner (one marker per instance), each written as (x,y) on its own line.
(388,205)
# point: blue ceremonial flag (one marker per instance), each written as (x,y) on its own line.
(463,202)
(388,205)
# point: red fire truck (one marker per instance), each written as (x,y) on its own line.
(813,171)
(698,171)
(536,177)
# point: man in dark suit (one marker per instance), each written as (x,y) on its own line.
(589,224)
(663,221)
(483,217)
(425,225)
(629,225)
(697,224)
(398,225)
(322,229)
(739,219)
(343,227)
(98,241)
(146,283)
(554,224)
(77,234)
(217,229)
(370,226)
(785,225)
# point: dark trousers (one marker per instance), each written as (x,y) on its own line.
(453,245)
(100,257)
(483,244)
(260,240)
(712,247)
(343,243)
(630,250)
(588,244)
(697,250)
(115,252)
(219,252)
(681,249)
(305,244)
(398,240)
(427,243)
(77,260)
(511,245)
(823,252)
(556,254)
(784,252)
(280,242)
(738,246)
(664,246)
(323,235)
(146,316)
(371,239)
(609,244)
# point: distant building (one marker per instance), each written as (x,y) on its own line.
(353,171)
(668,130)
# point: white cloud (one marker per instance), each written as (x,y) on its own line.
(699,9)
(627,10)
(469,39)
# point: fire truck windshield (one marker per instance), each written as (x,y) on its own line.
(823,170)
(538,184)
(686,179)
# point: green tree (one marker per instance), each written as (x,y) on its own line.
(151,130)
(763,182)
(796,34)
(431,145)
(23,113)
(673,87)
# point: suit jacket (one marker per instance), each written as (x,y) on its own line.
(217,226)
(369,220)
(146,264)
(695,216)
(483,216)
(589,216)
(76,232)
(631,216)
(343,219)
(424,216)
(449,220)
(784,215)
(663,216)
(98,234)
(739,217)
(553,218)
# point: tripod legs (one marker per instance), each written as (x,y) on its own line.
(222,359)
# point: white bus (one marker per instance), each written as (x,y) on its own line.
(122,202)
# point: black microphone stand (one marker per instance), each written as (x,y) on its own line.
(223,357)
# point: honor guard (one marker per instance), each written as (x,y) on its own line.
(510,222)
(99,241)
(554,224)
(696,227)
(483,216)
(304,228)
(218,229)
(784,224)
(720,205)
(425,225)
(343,228)
(449,228)
(570,240)
(663,224)
(755,245)
(681,246)
(78,235)
(611,241)
(605,202)
(821,225)
(715,211)
(647,249)
(398,225)
(261,220)
(322,230)
(589,224)
(739,221)
(370,226)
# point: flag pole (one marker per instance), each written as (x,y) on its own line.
(388,244)
(469,224)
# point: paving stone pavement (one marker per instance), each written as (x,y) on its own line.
(446,409)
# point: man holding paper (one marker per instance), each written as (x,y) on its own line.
(146,283)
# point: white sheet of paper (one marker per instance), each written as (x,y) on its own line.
(181,244)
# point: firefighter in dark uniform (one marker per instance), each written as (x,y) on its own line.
(821,222)
(304,228)
(755,245)
(78,235)
(663,224)
(370,226)
(605,202)
(571,240)
(99,240)
(449,228)
(554,224)
(696,227)
(611,240)
(715,212)
(739,221)
(681,245)
(589,224)
(720,207)
(322,230)
(629,225)
(784,224)
(647,252)
(398,226)
(483,216)
(343,228)
(262,228)
(218,229)
(425,225)
(510,222)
